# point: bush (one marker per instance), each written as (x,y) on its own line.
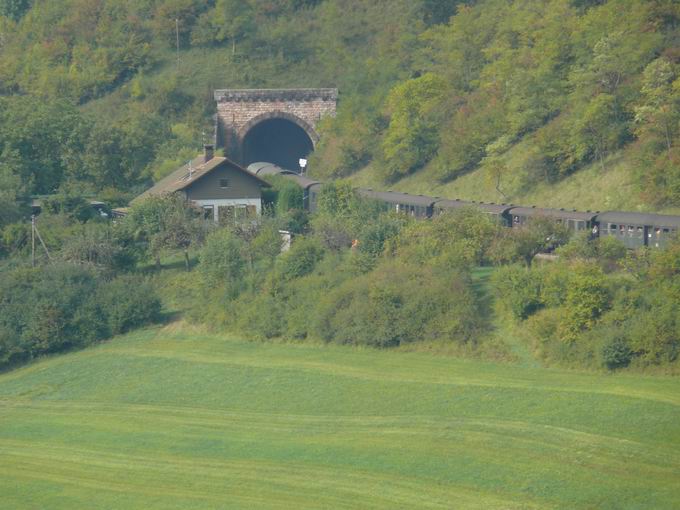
(587,297)
(98,245)
(261,316)
(462,237)
(222,261)
(128,303)
(61,306)
(300,260)
(616,353)
(519,290)
(397,304)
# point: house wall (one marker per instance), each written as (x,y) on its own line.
(243,190)
(241,185)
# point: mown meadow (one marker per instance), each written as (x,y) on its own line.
(173,417)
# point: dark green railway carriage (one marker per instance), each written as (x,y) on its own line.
(498,211)
(313,193)
(417,206)
(305,183)
(636,230)
(575,220)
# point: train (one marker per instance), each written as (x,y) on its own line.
(634,230)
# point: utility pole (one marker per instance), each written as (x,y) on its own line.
(177,39)
(32,240)
(35,233)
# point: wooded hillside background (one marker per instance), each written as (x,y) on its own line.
(94,95)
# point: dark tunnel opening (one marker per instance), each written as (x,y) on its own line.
(277,141)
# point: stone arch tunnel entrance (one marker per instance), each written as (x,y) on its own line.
(273,125)
(276,140)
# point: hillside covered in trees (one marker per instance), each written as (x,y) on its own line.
(94,94)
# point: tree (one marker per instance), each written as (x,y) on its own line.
(587,297)
(336,199)
(14,9)
(174,18)
(411,139)
(658,114)
(494,163)
(35,135)
(438,11)
(99,245)
(235,19)
(598,130)
(167,223)
(221,261)
(657,123)
(12,190)
(70,202)
(521,291)
(536,236)
(301,259)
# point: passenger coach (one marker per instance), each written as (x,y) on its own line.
(417,206)
(574,220)
(638,229)
(498,211)
(635,230)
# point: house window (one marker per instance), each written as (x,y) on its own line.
(208,212)
(225,214)
(224,183)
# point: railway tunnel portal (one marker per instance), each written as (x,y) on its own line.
(273,125)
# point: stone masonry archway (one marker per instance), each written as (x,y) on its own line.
(277,115)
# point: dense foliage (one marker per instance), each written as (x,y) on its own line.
(599,306)
(65,306)
(427,86)
(359,285)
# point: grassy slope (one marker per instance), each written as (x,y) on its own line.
(588,189)
(200,72)
(180,419)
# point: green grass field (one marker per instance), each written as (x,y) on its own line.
(170,418)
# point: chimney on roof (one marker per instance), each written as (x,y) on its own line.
(208,152)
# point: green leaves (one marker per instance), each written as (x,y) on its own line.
(412,137)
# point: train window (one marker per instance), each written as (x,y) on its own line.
(612,226)
(665,231)
(515,219)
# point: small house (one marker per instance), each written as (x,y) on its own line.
(224,190)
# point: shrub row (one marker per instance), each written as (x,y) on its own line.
(582,312)
(63,306)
